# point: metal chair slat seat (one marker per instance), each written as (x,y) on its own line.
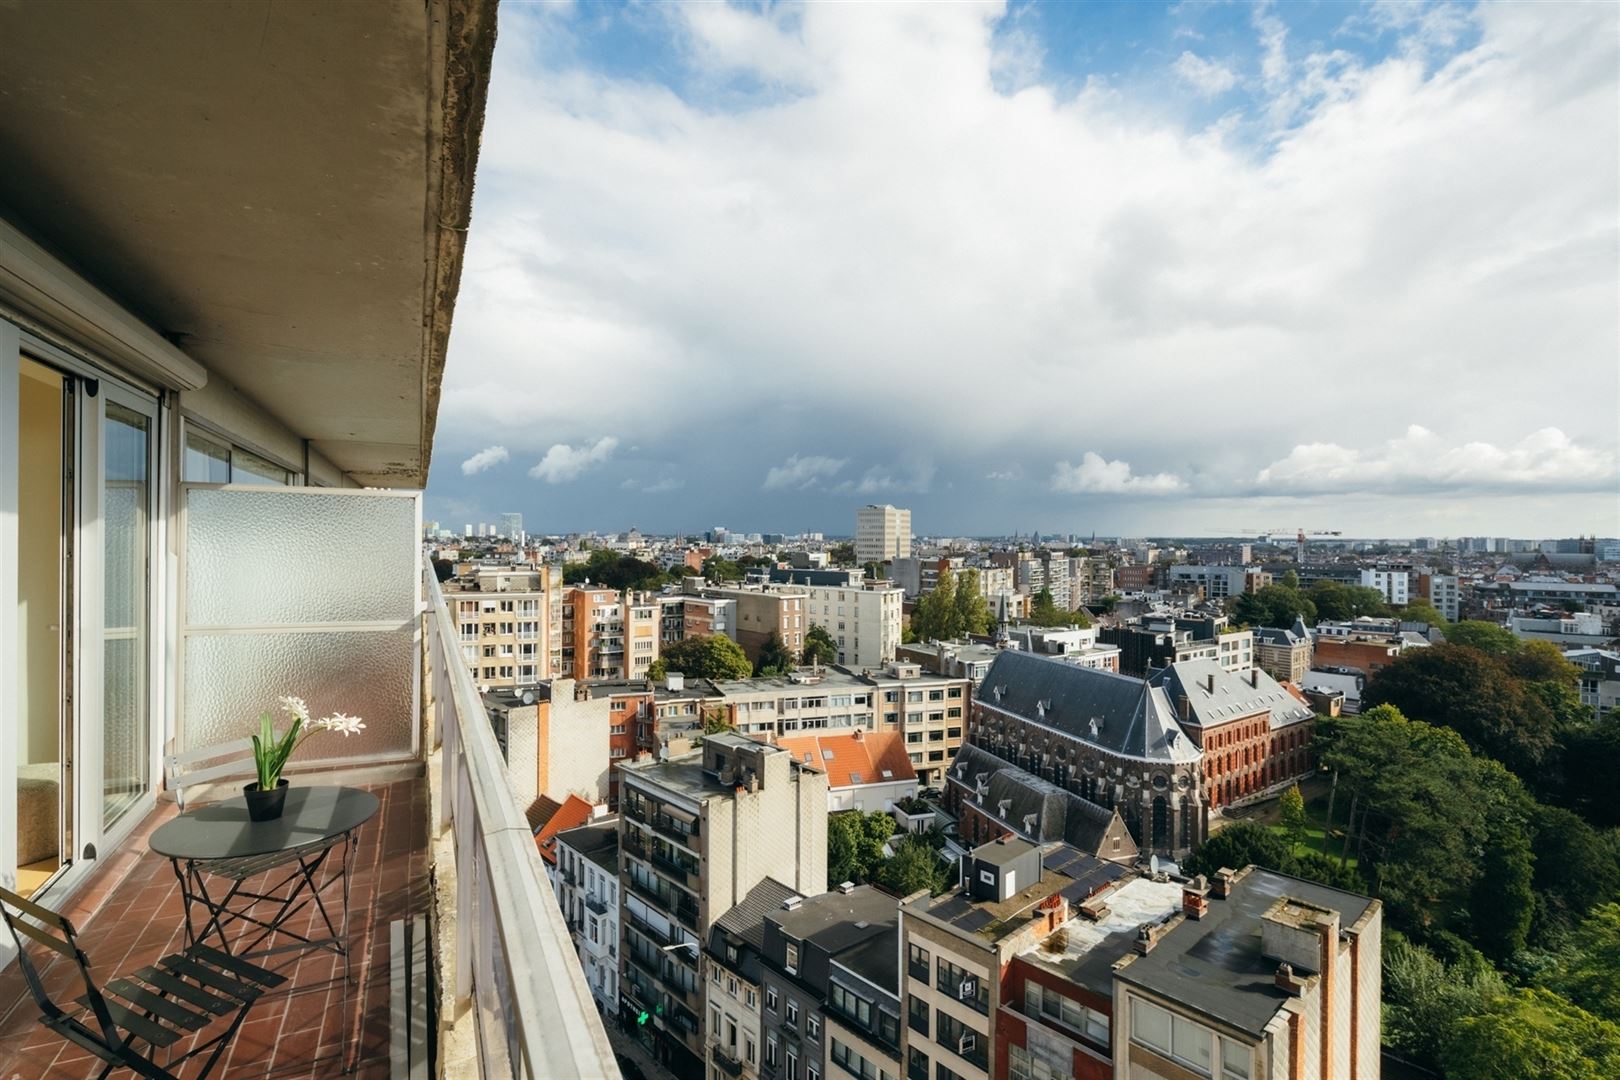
(174,999)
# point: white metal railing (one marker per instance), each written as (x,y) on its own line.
(515,964)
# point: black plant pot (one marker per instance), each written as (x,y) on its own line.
(265,805)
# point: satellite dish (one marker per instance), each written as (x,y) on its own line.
(528,697)
(1153,865)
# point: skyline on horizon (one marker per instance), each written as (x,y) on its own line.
(1132,269)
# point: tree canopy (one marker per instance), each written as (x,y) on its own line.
(842,554)
(1273,605)
(1533,1033)
(1044,611)
(775,658)
(612,570)
(1487,637)
(704,656)
(818,646)
(855,845)
(1335,602)
(914,865)
(953,607)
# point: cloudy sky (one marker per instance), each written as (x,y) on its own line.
(1190,269)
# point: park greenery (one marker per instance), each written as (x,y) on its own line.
(856,844)
(1471,797)
(818,646)
(612,570)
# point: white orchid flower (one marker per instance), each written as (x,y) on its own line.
(344,724)
(295,706)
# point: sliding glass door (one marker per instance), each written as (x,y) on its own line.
(126,512)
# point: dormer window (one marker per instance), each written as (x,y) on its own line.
(792,960)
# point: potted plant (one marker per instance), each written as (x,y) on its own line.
(268,795)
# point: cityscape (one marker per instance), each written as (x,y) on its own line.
(1059,806)
(809,540)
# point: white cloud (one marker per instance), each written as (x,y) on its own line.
(915,475)
(1001,475)
(487,458)
(1544,460)
(1097,476)
(654,487)
(844,259)
(802,471)
(563,462)
(1210,78)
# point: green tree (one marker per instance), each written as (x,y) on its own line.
(1473,694)
(1425,612)
(444,569)
(1335,602)
(1591,761)
(1424,999)
(716,568)
(1290,580)
(1236,846)
(1487,637)
(875,571)
(1533,1034)
(1291,807)
(1589,972)
(971,614)
(706,656)
(818,646)
(1576,870)
(841,554)
(914,865)
(775,658)
(1502,903)
(855,845)
(1044,611)
(934,616)
(611,570)
(1273,605)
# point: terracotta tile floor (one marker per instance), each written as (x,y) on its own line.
(296,1030)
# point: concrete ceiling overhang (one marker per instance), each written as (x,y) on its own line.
(281,190)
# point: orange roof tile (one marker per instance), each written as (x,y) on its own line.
(857,757)
(574,812)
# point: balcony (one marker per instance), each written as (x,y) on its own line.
(449,844)
(724,1061)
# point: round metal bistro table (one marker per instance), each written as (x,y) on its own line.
(228,865)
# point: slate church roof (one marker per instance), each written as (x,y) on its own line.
(1125,716)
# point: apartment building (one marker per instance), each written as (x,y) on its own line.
(1219,582)
(504,618)
(608,635)
(929,710)
(682,616)
(830,986)
(862,617)
(556,738)
(965,659)
(1048,570)
(956,948)
(1299,999)
(698,831)
(587,885)
(882,533)
(1600,678)
(736,983)
(1284,654)
(1072,644)
(762,611)
(1444,591)
(1394,582)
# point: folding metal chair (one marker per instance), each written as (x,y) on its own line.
(234,760)
(160,1005)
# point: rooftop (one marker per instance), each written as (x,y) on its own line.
(1093,946)
(598,842)
(1065,871)
(854,757)
(1214,964)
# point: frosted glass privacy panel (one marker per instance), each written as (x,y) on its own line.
(268,557)
(231,678)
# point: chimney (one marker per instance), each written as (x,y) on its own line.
(1184,707)
(846,887)
(1254,678)
(677,746)
(1094,908)
(1287,981)
(1195,897)
(857,735)
(1222,887)
(1209,682)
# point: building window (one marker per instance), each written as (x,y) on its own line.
(916,1064)
(917,1014)
(850,1004)
(770,1050)
(1235,1060)
(770,998)
(917,962)
(1150,1026)
(969,1044)
(791,1019)
(792,964)
(792,1070)
(812,1026)
(1191,1044)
